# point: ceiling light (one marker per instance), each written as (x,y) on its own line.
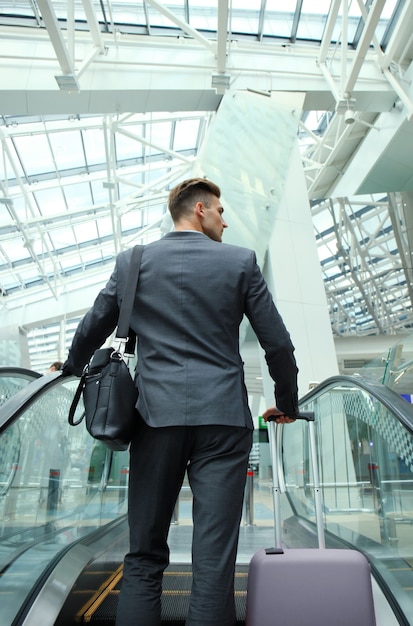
(349,117)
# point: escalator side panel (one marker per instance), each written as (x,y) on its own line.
(57,487)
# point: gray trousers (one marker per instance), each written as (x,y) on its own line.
(216,460)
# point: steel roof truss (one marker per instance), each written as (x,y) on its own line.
(365,41)
(192,32)
(23,228)
(65,52)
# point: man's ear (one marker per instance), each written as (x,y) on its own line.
(199,210)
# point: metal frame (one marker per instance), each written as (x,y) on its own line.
(345,68)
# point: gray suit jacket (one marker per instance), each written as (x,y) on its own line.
(191,298)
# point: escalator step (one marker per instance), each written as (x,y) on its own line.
(175,598)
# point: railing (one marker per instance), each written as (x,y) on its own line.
(12,379)
(57,485)
(365,453)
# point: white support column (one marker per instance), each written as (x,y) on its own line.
(293,273)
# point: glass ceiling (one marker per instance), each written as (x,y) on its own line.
(75,189)
(292,20)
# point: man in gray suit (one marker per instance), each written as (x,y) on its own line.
(192,295)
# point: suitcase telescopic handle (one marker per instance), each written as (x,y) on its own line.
(308,416)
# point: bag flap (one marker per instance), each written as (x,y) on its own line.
(100,358)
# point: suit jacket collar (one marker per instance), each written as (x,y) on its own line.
(184,234)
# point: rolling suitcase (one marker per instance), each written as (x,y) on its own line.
(307,587)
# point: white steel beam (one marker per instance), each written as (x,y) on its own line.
(56,37)
(325,47)
(93,25)
(401,93)
(152,74)
(222,36)
(146,142)
(183,25)
(401,38)
(364,44)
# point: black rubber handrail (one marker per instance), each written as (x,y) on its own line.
(15,405)
(23,372)
(396,405)
(399,407)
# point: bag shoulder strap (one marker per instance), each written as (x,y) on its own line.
(129,293)
(123,323)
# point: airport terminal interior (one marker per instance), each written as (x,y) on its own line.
(302,112)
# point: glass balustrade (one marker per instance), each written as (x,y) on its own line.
(12,379)
(57,485)
(366,470)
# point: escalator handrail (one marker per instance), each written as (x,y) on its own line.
(396,405)
(12,408)
(23,372)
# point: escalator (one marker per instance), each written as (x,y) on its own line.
(63,504)
(365,451)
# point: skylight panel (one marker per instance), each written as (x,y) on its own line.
(128,12)
(16,251)
(132,220)
(158,19)
(313,18)
(7,172)
(67,150)
(128,147)
(94,146)
(278,23)
(78,196)
(17,8)
(105,228)
(17,208)
(28,275)
(99,193)
(160,135)
(63,238)
(86,232)
(286,6)
(203,15)
(124,191)
(51,201)
(388,9)
(242,19)
(324,252)
(175,4)
(253,5)
(186,134)
(35,153)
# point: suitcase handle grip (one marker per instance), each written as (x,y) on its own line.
(308,416)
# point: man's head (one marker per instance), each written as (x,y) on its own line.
(55,367)
(194,204)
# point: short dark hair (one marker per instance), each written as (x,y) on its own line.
(56,366)
(183,196)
